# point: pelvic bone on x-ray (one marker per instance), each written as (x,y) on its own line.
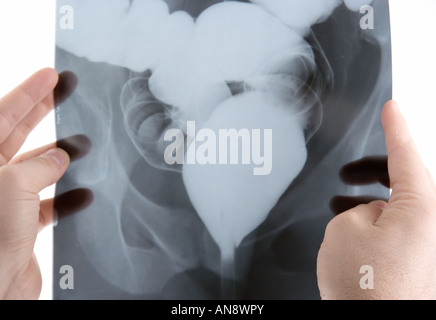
(207,121)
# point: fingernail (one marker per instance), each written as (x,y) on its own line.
(396,105)
(380,204)
(58,156)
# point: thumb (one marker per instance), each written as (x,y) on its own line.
(34,174)
(406,171)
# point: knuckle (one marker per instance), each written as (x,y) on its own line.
(344,221)
(6,119)
(333,226)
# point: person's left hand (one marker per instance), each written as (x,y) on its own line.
(22,214)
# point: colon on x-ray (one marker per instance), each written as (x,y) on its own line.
(159,85)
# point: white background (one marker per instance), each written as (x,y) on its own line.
(27,44)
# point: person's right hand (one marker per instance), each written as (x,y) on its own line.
(397,239)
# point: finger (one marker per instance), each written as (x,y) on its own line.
(67,83)
(406,170)
(46,209)
(63,205)
(76,146)
(33,153)
(366,171)
(340,204)
(16,138)
(20,101)
(34,174)
(72,201)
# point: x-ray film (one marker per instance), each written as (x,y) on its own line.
(209,141)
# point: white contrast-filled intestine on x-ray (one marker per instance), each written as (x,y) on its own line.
(218,130)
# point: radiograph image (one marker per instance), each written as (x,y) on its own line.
(215,135)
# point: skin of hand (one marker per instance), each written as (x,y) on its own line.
(397,239)
(22,214)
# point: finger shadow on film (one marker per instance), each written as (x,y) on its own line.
(368,170)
